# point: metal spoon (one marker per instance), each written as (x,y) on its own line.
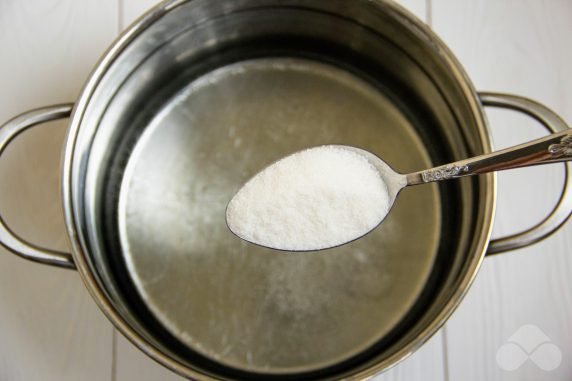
(550,149)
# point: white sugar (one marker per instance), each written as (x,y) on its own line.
(314,199)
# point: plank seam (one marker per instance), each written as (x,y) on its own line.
(445,355)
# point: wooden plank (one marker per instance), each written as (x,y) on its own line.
(131,9)
(517,47)
(50,328)
(427,364)
(417,7)
(131,364)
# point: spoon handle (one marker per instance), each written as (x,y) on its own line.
(553,148)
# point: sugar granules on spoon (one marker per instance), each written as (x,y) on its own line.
(317,198)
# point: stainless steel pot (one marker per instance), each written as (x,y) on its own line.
(196,97)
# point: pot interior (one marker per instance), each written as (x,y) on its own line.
(250,307)
(212,92)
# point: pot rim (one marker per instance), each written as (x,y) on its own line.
(100,296)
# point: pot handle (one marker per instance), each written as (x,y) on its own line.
(563,209)
(9,239)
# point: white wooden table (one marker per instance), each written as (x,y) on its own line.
(51,330)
